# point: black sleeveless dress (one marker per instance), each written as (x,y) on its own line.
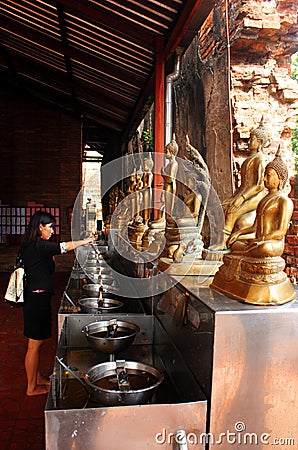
(39,267)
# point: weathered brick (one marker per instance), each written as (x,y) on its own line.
(292,261)
(293,229)
(292,240)
(289,250)
(250,23)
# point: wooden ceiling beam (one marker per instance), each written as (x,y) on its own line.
(187,17)
(67,59)
(189,21)
(9,61)
(49,96)
(136,32)
(33,69)
(96,63)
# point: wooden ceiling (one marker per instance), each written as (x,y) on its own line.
(93,58)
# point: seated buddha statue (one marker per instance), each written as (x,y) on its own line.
(272,217)
(253,271)
(241,206)
(183,228)
(191,203)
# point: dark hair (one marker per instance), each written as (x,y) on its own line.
(32,232)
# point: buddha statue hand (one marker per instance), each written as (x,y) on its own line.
(235,203)
(232,238)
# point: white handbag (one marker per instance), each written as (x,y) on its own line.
(15,288)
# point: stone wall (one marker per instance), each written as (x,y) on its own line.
(291,245)
(263,38)
(254,42)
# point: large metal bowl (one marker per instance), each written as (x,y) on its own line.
(105,382)
(90,305)
(110,336)
(93,289)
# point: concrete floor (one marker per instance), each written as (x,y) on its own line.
(21,417)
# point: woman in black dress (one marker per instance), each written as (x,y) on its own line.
(37,255)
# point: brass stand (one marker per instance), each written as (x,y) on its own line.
(189,266)
(254,280)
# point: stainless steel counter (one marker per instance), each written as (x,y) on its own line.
(245,358)
(242,358)
(74,421)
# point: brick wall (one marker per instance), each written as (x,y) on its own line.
(40,156)
(291,244)
(262,37)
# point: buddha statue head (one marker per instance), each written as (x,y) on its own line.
(260,133)
(148,163)
(280,168)
(172,146)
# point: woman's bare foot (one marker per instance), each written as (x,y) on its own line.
(45,381)
(38,390)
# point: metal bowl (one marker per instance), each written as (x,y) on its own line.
(93,289)
(94,263)
(105,381)
(90,305)
(94,255)
(92,274)
(95,269)
(110,336)
(104,278)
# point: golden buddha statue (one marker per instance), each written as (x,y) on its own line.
(136,227)
(147,188)
(239,209)
(138,197)
(169,173)
(192,203)
(254,270)
(183,230)
(131,190)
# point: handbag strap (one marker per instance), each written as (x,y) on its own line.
(19,261)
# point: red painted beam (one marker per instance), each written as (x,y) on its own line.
(194,10)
